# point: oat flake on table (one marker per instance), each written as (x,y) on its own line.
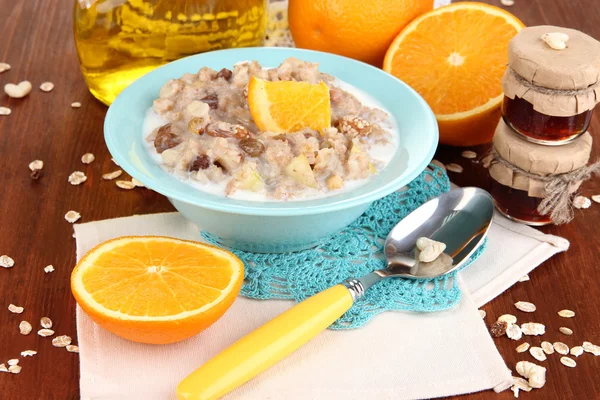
(569,362)
(46,322)
(566,313)
(88,158)
(48,268)
(127,185)
(468,154)
(112,175)
(77,178)
(14,369)
(452,167)
(522,348)
(5,111)
(524,278)
(13,361)
(565,331)
(537,353)
(15,309)
(561,348)
(47,86)
(576,351)
(61,341)
(36,165)
(596,198)
(28,353)
(591,348)
(76,104)
(45,332)
(6,261)
(581,202)
(547,347)
(72,216)
(3,368)
(25,328)
(482,313)
(137,183)
(508,318)
(525,306)
(533,328)
(72,348)
(513,331)
(4,67)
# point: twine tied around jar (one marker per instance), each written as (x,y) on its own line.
(557,200)
(549,91)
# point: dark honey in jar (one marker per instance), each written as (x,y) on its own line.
(519,170)
(550,94)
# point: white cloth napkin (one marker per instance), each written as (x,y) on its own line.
(398,355)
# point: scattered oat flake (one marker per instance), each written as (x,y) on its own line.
(47,86)
(561,348)
(508,318)
(127,185)
(13,361)
(4,67)
(569,362)
(525,306)
(576,351)
(566,313)
(28,353)
(482,313)
(6,261)
(72,348)
(513,331)
(45,332)
(515,390)
(114,161)
(524,278)
(61,341)
(565,331)
(454,168)
(72,216)
(77,178)
(36,165)
(596,198)
(137,183)
(88,158)
(507,3)
(533,328)
(46,322)
(537,353)
(581,202)
(25,328)
(49,268)
(469,154)
(3,368)
(591,348)
(15,309)
(521,383)
(5,111)
(76,104)
(14,369)
(522,348)
(112,175)
(547,347)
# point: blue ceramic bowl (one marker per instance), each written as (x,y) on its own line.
(274,226)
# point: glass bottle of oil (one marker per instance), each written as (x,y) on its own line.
(120,40)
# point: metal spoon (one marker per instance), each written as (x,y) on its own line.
(460,218)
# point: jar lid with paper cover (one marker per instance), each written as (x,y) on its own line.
(551,91)
(534,184)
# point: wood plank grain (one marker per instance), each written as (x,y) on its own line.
(36,39)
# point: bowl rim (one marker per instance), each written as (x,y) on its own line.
(247,207)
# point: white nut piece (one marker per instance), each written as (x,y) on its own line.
(535,374)
(19,90)
(429,249)
(556,40)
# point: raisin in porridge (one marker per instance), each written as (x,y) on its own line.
(201,130)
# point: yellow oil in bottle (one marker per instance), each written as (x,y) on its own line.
(120,40)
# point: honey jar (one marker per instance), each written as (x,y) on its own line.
(550,94)
(532,184)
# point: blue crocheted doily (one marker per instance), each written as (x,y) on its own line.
(354,252)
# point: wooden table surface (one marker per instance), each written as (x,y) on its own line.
(36,39)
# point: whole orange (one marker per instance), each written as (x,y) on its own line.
(362,30)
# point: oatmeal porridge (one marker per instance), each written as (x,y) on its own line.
(201,129)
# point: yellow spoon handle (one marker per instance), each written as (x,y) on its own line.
(268,344)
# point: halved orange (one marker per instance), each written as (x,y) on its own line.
(154,289)
(289,106)
(455,57)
